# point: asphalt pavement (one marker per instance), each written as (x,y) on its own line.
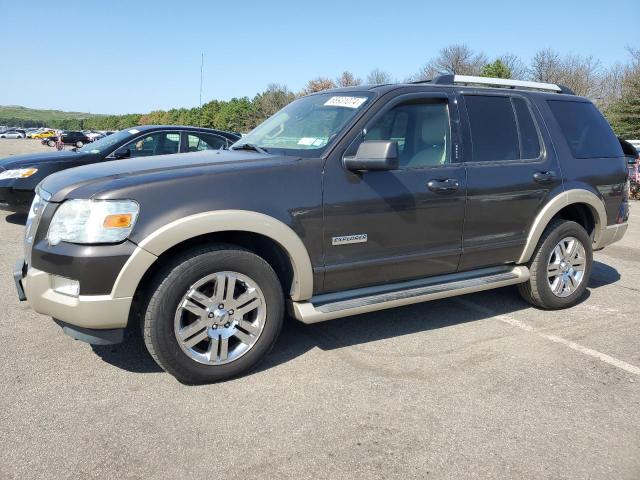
(481,386)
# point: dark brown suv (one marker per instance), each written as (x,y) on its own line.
(344,202)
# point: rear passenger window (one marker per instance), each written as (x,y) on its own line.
(529,141)
(494,135)
(585,129)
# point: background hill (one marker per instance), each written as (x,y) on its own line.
(30,117)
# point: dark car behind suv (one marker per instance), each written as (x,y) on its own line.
(20,174)
(344,202)
(77,139)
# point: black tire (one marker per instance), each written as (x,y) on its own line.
(175,279)
(537,290)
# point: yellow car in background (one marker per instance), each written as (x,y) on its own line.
(45,134)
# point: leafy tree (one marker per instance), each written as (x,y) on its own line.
(496,69)
(624,113)
(237,115)
(274,98)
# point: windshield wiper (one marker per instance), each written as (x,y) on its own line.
(250,146)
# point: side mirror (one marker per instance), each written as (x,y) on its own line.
(374,155)
(122,152)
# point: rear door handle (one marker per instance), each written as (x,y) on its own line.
(542,177)
(444,186)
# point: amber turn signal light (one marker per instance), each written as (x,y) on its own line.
(118,220)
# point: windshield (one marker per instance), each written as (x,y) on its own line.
(307,124)
(104,144)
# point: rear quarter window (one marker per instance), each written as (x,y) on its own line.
(585,129)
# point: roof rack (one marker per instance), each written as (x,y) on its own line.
(500,82)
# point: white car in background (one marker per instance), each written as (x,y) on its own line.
(12,134)
(635,143)
(93,136)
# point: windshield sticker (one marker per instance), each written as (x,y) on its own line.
(348,102)
(133,131)
(307,141)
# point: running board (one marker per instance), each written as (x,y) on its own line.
(371,299)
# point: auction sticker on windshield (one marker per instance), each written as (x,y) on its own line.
(348,102)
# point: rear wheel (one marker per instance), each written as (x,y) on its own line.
(560,267)
(213,313)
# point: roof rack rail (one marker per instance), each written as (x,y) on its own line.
(500,82)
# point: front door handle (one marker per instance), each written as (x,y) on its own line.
(444,186)
(543,177)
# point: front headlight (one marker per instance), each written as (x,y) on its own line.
(93,221)
(18,173)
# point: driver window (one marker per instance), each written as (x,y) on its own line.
(422,131)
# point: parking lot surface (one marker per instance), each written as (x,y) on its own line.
(480,386)
(13,146)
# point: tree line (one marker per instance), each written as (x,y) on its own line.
(615,89)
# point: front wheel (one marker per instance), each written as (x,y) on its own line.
(560,267)
(79,144)
(51,143)
(213,314)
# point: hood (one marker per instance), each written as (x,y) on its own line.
(87,180)
(33,159)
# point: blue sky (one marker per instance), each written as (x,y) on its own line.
(137,56)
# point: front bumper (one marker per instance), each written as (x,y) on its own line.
(15,200)
(85,311)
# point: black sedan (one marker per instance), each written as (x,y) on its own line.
(19,175)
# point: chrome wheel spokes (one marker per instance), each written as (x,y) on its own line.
(567,263)
(220,318)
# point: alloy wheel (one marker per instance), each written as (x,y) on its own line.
(566,267)
(220,318)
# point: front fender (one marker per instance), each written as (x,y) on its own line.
(178,231)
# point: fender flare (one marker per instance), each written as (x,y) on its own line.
(557,203)
(178,231)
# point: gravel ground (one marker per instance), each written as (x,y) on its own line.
(481,386)
(14,146)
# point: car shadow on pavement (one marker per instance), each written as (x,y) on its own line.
(602,274)
(130,355)
(16,218)
(297,338)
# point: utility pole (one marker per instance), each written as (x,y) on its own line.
(201,65)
